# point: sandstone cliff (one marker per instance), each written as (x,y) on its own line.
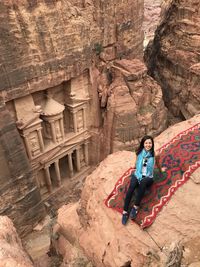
(132,106)
(12,253)
(47,48)
(173,57)
(98,231)
(44,43)
(20,197)
(152,14)
(70,98)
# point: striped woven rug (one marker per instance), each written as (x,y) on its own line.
(181,157)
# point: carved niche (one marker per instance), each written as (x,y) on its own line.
(29,125)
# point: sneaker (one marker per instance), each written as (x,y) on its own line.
(125,218)
(133,213)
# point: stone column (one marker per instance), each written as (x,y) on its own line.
(27,147)
(84,118)
(48,179)
(75,121)
(36,179)
(86,154)
(57,169)
(71,170)
(78,159)
(62,127)
(40,139)
(53,131)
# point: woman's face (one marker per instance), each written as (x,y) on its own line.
(148,144)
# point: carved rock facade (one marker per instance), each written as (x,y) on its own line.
(55,134)
(51,119)
(71,94)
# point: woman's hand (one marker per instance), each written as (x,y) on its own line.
(163,169)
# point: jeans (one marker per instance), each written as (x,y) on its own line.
(142,186)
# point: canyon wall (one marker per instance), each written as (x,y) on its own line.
(20,197)
(152,14)
(173,57)
(75,88)
(44,43)
(50,113)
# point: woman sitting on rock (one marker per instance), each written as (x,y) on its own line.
(141,178)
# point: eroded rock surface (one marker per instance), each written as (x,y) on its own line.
(98,231)
(20,197)
(173,58)
(133,105)
(12,253)
(47,42)
(47,49)
(152,14)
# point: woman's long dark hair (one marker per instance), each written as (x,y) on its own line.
(141,146)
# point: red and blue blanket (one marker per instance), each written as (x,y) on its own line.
(181,157)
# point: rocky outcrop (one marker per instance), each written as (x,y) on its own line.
(11,250)
(173,57)
(98,231)
(133,105)
(20,198)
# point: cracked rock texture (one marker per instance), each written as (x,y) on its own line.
(42,45)
(12,253)
(134,106)
(97,230)
(46,42)
(20,197)
(173,57)
(152,15)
